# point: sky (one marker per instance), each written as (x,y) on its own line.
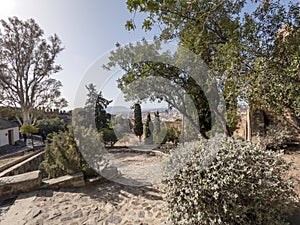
(88,30)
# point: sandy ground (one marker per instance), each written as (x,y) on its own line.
(295,169)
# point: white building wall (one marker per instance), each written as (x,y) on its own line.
(16,134)
(3,137)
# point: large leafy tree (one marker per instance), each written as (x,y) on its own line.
(27,61)
(156,81)
(253,55)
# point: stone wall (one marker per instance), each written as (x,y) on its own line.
(27,165)
(14,185)
(256,122)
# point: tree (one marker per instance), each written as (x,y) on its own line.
(148,130)
(154,81)
(29,129)
(138,123)
(96,104)
(26,62)
(157,130)
(121,126)
(50,125)
(243,51)
(108,136)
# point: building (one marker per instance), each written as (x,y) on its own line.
(9,132)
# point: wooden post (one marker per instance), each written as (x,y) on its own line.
(248,125)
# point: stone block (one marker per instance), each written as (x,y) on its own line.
(75,180)
(14,185)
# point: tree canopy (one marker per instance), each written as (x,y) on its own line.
(27,61)
(253,54)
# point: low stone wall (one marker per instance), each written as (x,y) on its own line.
(27,165)
(75,180)
(14,185)
(18,160)
(17,184)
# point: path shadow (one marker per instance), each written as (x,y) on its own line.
(115,192)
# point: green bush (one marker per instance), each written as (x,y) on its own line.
(228,182)
(277,137)
(63,157)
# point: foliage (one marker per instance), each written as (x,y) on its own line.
(227,181)
(125,139)
(96,105)
(138,123)
(25,80)
(172,135)
(121,126)
(9,113)
(277,137)
(156,81)
(28,129)
(50,125)
(254,54)
(108,136)
(156,128)
(63,157)
(148,130)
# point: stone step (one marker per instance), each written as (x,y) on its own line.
(14,185)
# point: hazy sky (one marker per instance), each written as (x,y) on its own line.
(88,30)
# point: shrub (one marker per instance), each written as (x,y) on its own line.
(277,137)
(229,182)
(63,157)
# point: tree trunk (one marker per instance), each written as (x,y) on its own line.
(26,116)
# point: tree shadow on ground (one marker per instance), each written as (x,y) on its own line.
(115,192)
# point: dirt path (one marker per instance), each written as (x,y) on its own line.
(137,169)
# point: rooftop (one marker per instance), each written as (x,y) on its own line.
(5,124)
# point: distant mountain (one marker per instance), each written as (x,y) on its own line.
(117,109)
(154,109)
(124,109)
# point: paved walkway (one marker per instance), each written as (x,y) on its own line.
(108,203)
(139,203)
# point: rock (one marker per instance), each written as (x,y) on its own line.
(77,214)
(141,214)
(114,219)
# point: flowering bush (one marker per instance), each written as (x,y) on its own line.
(227,181)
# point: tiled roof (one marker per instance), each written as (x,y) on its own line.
(5,124)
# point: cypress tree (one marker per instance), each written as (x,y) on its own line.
(148,130)
(156,131)
(138,123)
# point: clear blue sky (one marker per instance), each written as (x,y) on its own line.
(88,30)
